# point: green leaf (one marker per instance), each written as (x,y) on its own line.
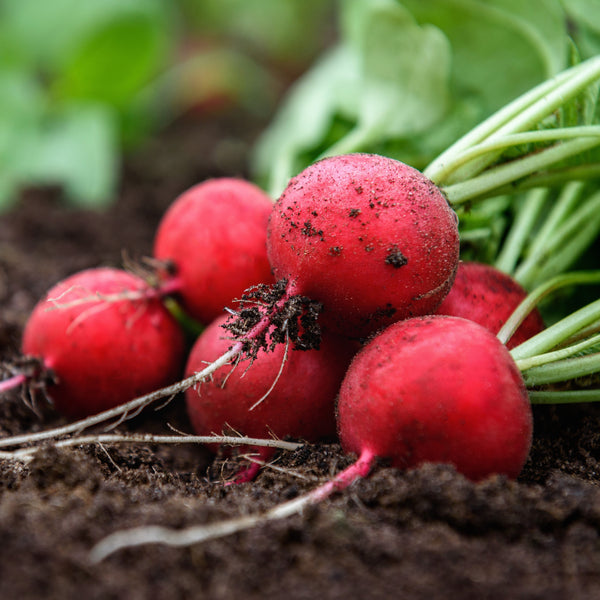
(401,96)
(307,114)
(78,149)
(584,12)
(114,63)
(373,81)
(48,33)
(500,47)
(423,74)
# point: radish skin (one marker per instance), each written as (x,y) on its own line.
(437,389)
(488,296)
(283,392)
(214,237)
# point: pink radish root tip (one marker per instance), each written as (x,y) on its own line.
(25,371)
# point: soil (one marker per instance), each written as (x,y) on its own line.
(424,533)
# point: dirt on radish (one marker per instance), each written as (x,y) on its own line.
(423,533)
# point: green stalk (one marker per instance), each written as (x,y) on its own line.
(566,201)
(489,182)
(523,113)
(527,215)
(531,347)
(554,178)
(563,396)
(496,145)
(563,206)
(562,370)
(557,333)
(474,235)
(538,360)
(583,333)
(439,168)
(568,244)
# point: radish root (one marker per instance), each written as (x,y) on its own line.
(153,534)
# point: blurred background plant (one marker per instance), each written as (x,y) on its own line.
(82,83)
(406,78)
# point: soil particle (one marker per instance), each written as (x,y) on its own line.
(395,258)
(310,231)
(293,318)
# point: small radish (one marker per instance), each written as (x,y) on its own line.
(103,340)
(437,389)
(488,296)
(214,238)
(369,237)
(281,392)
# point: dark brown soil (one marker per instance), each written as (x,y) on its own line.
(427,533)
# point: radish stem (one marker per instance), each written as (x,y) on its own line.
(521,114)
(566,201)
(488,182)
(531,301)
(563,396)
(527,214)
(562,370)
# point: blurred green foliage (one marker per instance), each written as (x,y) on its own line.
(68,73)
(83,81)
(287,31)
(408,77)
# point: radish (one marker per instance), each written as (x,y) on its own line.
(488,296)
(213,237)
(101,339)
(369,237)
(437,389)
(281,392)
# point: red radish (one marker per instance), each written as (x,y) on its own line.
(369,237)
(437,389)
(282,392)
(104,339)
(214,235)
(488,296)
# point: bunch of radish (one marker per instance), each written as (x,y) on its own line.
(105,336)
(452,354)
(348,288)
